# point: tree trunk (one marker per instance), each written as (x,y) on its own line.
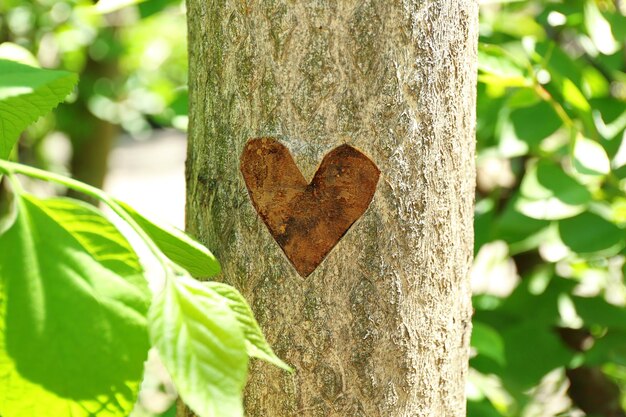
(381,327)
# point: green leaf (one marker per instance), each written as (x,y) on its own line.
(595,85)
(549,193)
(483,222)
(488,104)
(531,351)
(518,25)
(525,127)
(8,207)
(170,412)
(558,62)
(202,345)
(599,29)
(536,305)
(534,123)
(14,52)
(566,83)
(515,228)
(178,246)
(498,67)
(573,95)
(500,1)
(618,24)
(108,6)
(256,344)
(148,8)
(27,93)
(590,158)
(481,408)
(589,232)
(596,311)
(609,117)
(611,347)
(74,309)
(488,342)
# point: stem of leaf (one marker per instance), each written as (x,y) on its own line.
(12,168)
(15,184)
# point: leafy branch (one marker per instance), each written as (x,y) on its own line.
(76,316)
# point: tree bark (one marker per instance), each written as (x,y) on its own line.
(381,327)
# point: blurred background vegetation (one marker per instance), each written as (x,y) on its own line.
(550,324)
(132,63)
(548,278)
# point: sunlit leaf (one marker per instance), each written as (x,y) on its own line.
(566,77)
(108,6)
(177,245)
(528,126)
(599,29)
(8,207)
(590,158)
(486,395)
(610,117)
(488,342)
(547,192)
(255,341)
(13,52)
(595,83)
(523,97)
(589,232)
(551,208)
(500,1)
(573,95)
(558,62)
(27,93)
(517,229)
(74,334)
(498,67)
(518,25)
(202,345)
(618,162)
(482,408)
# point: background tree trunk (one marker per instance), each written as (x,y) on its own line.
(381,327)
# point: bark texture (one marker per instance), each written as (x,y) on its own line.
(381,327)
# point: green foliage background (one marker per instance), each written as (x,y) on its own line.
(549,326)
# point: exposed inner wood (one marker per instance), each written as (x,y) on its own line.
(307,219)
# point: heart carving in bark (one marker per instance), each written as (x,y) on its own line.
(307,219)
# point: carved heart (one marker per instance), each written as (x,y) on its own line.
(307,219)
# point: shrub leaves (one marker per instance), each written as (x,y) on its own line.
(74,308)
